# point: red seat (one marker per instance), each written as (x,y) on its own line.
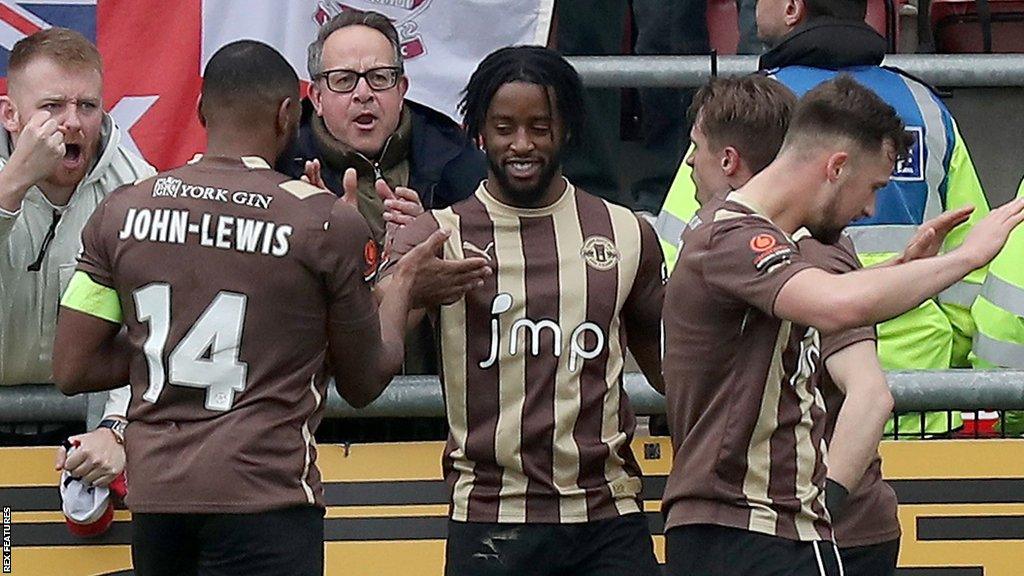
(723,26)
(723,23)
(878,14)
(957,28)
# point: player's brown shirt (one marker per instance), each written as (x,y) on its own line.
(229,276)
(746,418)
(869,516)
(532,361)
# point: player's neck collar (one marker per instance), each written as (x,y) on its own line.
(753,206)
(742,200)
(494,204)
(250,162)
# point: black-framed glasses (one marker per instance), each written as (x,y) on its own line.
(345,81)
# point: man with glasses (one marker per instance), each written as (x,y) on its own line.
(361,139)
(60,155)
(357,118)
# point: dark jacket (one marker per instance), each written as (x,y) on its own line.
(444,165)
(830,43)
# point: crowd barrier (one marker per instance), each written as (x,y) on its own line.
(420,396)
(946,70)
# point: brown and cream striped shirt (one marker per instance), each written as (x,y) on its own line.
(746,418)
(532,361)
(869,516)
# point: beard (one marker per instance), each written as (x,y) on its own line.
(829,229)
(63,178)
(826,234)
(525,195)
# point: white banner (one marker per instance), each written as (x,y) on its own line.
(288,26)
(442,40)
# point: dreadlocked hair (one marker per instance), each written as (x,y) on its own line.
(531,64)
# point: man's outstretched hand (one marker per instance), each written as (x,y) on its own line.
(436,281)
(928,239)
(989,235)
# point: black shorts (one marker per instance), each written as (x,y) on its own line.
(615,547)
(706,550)
(288,542)
(873,560)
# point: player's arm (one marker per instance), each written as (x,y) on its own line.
(362,353)
(90,350)
(834,302)
(856,371)
(642,310)
(852,362)
(440,280)
(366,350)
(416,315)
(364,360)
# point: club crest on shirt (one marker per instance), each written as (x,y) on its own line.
(371,257)
(599,253)
(768,253)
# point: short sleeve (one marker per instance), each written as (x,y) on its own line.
(643,306)
(407,238)
(95,256)
(352,261)
(838,258)
(750,259)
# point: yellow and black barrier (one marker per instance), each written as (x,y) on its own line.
(961,509)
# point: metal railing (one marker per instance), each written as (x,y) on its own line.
(420,396)
(947,70)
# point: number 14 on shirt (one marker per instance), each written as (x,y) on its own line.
(207,357)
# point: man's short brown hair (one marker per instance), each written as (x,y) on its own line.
(352,17)
(843,108)
(750,113)
(65,47)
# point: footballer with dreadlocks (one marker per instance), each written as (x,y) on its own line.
(538,461)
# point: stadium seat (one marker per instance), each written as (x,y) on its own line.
(883,16)
(723,23)
(723,26)
(958,29)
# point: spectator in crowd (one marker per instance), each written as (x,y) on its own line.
(60,155)
(999,314)
(357,126)
(662,28)
(356,117)
(749,43)
(813,41)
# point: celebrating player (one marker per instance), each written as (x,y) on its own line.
(238,287)
(742,317)
(542,476)
(738,127)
